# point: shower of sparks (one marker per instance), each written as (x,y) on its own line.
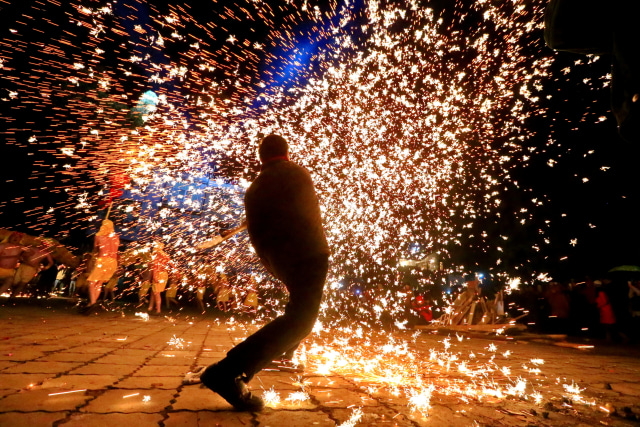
(176,342)
(297,397)
(419,400)
(271,397)
(353,419)
(381,366)
(410,120)
(143,316)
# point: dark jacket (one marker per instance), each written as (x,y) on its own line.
(283,216)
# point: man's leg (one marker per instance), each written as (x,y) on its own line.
(305,283)
(94,291)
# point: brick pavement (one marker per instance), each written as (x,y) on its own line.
(60,368)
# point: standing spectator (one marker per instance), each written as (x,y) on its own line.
(160,264)
(634,308)
(607,315)
(634,298)
(172,291)
(559,303)
(105,252)
(144,276)
(59,278)
(223,293)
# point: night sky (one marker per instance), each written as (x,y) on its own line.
(572,178)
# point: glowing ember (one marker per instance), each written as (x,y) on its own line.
(176,342)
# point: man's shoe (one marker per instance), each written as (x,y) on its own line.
(285,365)
(233,390)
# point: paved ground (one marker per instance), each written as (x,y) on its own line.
(116,369)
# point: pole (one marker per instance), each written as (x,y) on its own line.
(109,210)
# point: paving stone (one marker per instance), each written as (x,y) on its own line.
(41,400)
(30,419)
(92,349)
(340,397)
(67,357)
(288,400)
(20,381)
(164,371)
(210,419)
(374,416)
(20,355)
(171,361)
(206,361)
(195,398)
(186,354)
(104,369)
(130,401)
(327,382)
(147,343)
(90,382)
(169,383)
(42,367)
(113,359)
(111,420)
(271,418)
(132,352)
(276,380)
(6,364)
(632,389)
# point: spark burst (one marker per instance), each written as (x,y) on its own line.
(410,121)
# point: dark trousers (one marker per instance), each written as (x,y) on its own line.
(305,282)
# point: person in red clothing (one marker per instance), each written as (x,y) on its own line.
(105,250)
(607,315)
(160,265)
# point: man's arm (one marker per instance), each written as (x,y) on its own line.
(216,240)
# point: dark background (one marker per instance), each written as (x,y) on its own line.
(602,213)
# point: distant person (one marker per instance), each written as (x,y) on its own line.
(172,291)
(79,276)
(105,250)
(110,287)
(285,227)
(144,276)
(160,265)
(62,271)
(607,315)
(634,298)
(560,308)
(35,259)
(10,253)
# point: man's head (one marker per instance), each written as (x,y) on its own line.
(273,147)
